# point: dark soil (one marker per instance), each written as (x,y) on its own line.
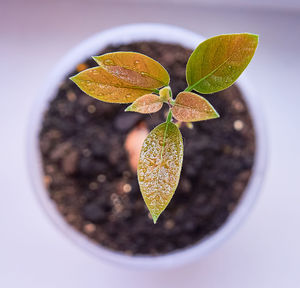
(88,176)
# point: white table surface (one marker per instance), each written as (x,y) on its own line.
(265,252)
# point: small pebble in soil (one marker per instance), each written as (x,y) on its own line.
(127,188)
(238,125)
(47,180)
(101,178)
(82,66)
(91,109)
(93,185)
(71,96)
(89,228)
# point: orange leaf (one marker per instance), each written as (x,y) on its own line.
(102,85)
(122,77)
(190,107)
(135,68)
(148,103)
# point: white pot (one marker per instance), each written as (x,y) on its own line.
(91,46)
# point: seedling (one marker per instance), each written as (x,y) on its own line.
(128,77)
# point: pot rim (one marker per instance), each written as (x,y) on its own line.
(126,34)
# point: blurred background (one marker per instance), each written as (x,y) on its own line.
(265,252)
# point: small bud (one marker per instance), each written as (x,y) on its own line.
(165,94)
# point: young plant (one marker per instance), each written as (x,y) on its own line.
(128,77)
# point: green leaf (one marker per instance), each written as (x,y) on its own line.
(148,103)
(217,62)
(160,166)
(122,77)
(190,107)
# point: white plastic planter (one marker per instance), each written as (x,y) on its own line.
(90,47)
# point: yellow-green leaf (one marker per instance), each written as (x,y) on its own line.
(135,68)
(160,166)
(102,85)
(190,107)
(217,62)
(148,103)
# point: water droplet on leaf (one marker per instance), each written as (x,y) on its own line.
(144,74)
(109,62)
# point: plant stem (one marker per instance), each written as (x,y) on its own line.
(169,117)
(170,92)
(168,120)
(190,88)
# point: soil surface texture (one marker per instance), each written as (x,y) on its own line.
(88,175)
